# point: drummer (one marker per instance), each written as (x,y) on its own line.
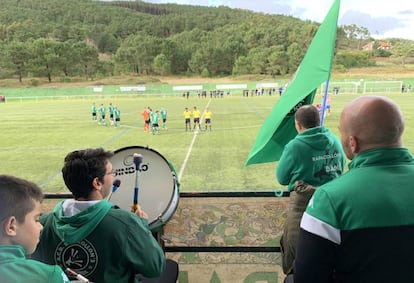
(90,236)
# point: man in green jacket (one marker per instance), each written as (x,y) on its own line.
(360,226)
(20,229)
(314,156)
(87,234)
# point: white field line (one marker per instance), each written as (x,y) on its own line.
(190,148)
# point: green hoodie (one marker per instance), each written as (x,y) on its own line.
(101,242)
(314,156)
(14,267)
(73,229)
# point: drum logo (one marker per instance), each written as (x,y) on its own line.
(81,257)
(130,167)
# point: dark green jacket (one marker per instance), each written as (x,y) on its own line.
(103,243)
(314,156)
(360,226)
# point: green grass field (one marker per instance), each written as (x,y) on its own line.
(37,134)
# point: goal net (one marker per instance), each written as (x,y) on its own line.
(340,87)
(382,86)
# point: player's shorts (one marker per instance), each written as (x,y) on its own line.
(111,116)
(103,116)
(93,114)
(187,120)
(164,120)
(155,125)
(208,121)
(117,119)
(196,120)
(147,122)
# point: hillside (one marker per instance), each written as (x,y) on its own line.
(88,41)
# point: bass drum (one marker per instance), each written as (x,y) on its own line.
(158,187)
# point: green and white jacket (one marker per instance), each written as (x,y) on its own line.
(360,226)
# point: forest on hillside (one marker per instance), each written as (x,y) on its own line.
(94,39)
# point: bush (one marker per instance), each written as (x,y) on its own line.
(34,82)
(354,59)
(205,73)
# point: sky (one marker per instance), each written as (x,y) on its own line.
(383,19)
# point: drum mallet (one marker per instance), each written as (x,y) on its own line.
(115,187)
(77,275)
(137,162)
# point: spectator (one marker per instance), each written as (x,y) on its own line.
(89,235)
(313,157)
(359,227)
(20,230)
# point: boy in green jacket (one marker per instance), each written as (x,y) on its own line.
(20,230)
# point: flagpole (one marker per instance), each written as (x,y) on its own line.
(325,96)
(315,68)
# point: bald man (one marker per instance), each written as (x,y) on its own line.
(360,226)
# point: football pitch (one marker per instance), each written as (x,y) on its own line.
(37,135)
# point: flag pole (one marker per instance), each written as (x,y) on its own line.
(315,68)
(325,97)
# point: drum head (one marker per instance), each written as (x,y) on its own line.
(157,184)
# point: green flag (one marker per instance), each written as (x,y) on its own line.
(279,128)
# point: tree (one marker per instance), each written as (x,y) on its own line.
(137,53)
(277,61)
(17,54)
(44,60)
(356,35)
(242,66)
(87,58)
(161,65)
(295,55)
(403,50)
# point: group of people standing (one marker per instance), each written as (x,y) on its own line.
(352,226)
(100,113)
(152,120)
(196,115)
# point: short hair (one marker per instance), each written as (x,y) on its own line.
(308,116)
(81,167)
(17,197)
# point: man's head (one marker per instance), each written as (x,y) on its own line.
(306,117)
(19,212)
(88,173)
(369,122)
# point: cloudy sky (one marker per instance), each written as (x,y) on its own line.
(384,19)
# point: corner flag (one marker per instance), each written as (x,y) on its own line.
(279,127)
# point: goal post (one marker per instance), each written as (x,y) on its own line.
(340,87)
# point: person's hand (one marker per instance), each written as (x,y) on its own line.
(140,213)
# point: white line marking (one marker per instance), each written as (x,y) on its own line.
(190,148)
